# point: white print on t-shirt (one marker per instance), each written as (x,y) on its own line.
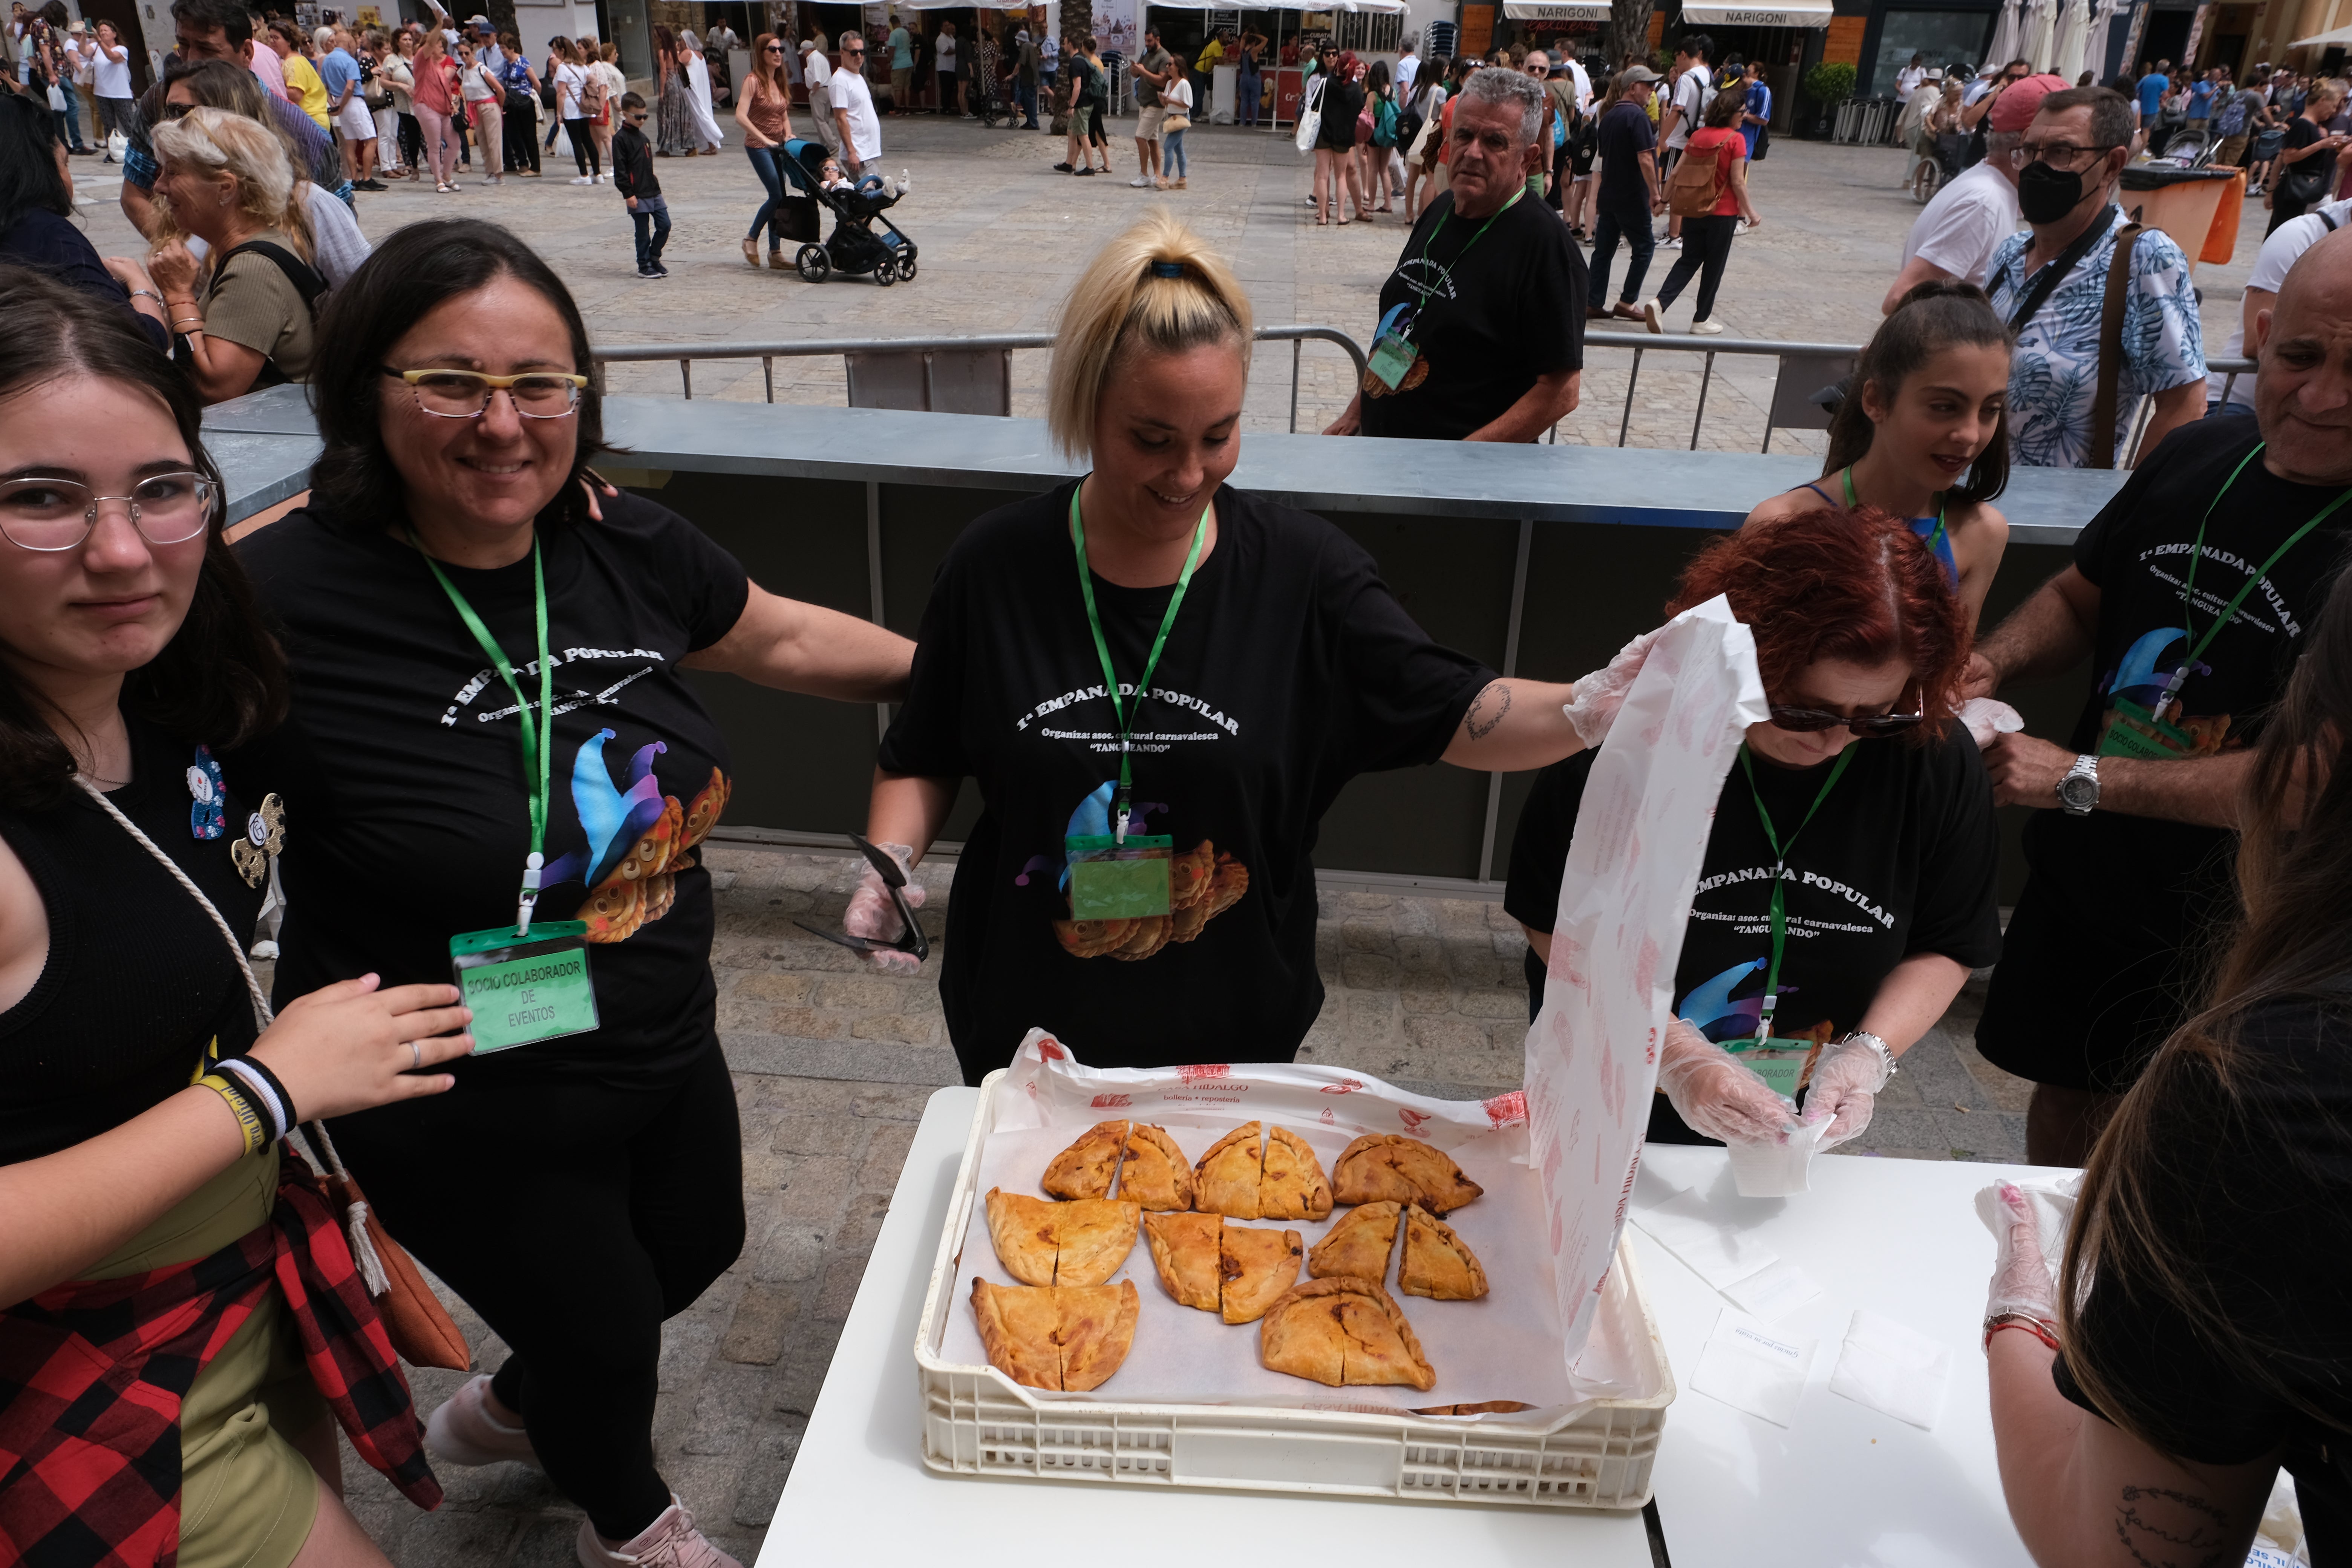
(1853,896)
(579,698)
(2212,604)
(1750,923)
(1158,694)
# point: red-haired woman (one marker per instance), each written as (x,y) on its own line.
(1885,851)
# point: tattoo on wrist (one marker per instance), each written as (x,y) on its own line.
(1479,720)
(2198,1535)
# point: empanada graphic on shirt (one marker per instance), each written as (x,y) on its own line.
(1227,1180)
(1155,1173)
(1292,1184)
(1381,1166)
(1184,1249)
(1082,1242)
(1255,1266)
(1359,1244)
(1437,1262)
(1066,1338)
(1084,1169)
(1343,1331)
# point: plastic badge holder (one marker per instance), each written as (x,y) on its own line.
(526,990)
(1114,881)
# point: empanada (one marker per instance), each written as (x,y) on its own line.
(1071,1339)
(1255,1266)
(1292,1184)
(1383,1165)
(1155,1173)
(1437,1262)
(1342,1330)
(1184,1250)
(1226,1179)
(1359,1246)
(1084,1169)
(1082,1242)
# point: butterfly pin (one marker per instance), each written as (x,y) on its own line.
(265,838)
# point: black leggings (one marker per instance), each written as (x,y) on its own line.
(583,145)
(412,143)
(574,1217)
(521,129)
(1707,248)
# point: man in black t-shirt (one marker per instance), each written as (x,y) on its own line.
(1627,144)
(2191,593)
(1479,336)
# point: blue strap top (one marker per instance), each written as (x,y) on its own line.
(1931,529)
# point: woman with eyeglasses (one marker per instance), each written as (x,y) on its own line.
(764,110)
(1862,792)
(159,1401)
(492,729)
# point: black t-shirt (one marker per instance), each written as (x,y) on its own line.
(2256,1191)
(1902,857)
(1625,134)
(400,765)
(1291,669)
(2133,895)
(1500,312)
(1335,131)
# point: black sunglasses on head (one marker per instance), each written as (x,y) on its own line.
(1868,727)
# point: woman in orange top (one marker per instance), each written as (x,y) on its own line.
(764,110)
(1707,240)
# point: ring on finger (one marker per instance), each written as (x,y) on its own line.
(416,1051)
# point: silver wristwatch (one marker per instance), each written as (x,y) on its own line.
(2078,792)
(1864,1038)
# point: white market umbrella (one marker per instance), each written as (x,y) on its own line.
(2040,26)
(2066,54)
(2003,47)
(2094,41)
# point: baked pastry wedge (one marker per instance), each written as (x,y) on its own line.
(1067,1338)
(1255,1266)
(1185,1252)
(1227,1180)
(1383,1165)
(1437,1262)
(1292,1185)
(1155,1173)
(1084,1169)
(1343,1331)
(1359,1244)
(1082,1242)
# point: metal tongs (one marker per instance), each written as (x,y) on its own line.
(885,867)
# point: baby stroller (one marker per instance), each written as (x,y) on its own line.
(852,250)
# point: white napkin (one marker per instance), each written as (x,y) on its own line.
(1751,1367)
(1893,1370)
(1773,1292)
(1778,1170)
(1694,1233)
(2052,1203)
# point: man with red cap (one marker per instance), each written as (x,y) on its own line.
(1955,236)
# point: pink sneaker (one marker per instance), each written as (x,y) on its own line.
(464,1432)
(670,1541)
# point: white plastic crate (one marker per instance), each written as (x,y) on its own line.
(977,1420)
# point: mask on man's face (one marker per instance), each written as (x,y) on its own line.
(2045,195)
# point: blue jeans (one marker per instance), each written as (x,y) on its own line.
(1024,96)
(1634,228)
(651,213)
(1247,93)
(770,214)
(1171,154)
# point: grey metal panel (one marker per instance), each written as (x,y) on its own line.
(278,411)
(261,471)
(1801,376)
(972,380)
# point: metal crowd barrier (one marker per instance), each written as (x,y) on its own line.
(938,375)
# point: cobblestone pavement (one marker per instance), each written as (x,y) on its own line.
(833,1066)
(1002,237)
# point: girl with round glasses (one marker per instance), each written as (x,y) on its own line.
(1848,884)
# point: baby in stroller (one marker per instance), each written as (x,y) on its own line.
(853,248)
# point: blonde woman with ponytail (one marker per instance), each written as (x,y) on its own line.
(242,318)
(1162,912)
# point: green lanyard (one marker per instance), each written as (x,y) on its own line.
(1779,894)
(2189,593)
(1126,711)
(1439,228)
(536,747)
(1932,539)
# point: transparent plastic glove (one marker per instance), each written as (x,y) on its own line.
(1845,1081)
(1985,718)
(2020,1277)
(1599,695)
(871,912)
(1715,1094)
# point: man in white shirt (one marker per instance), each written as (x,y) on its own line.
(1909,79)
(1957,233)
(818,72)
(2280,251)
(1407,68)
(853,107)
(1563,53)
(1680,117)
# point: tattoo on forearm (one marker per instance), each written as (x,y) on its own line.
(1483,716)
(2165,1529)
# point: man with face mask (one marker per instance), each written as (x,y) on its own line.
(2050,285)
(2190,594)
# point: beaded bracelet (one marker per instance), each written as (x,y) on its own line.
(249,1121)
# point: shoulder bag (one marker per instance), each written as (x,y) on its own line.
(2307,182)
(2101,453)
(1310,114)
(419,1327)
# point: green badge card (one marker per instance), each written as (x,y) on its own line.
(524,990)
(1113,881)
(2137,731)
(1782,1064)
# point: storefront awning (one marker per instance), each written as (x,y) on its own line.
(2340,39)
(1538,11)
(1782,14)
